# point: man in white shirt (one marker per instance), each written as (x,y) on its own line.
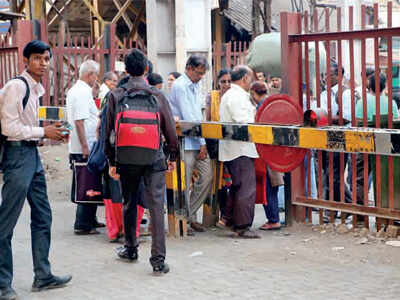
(238,157)
(83,116)
(346,113)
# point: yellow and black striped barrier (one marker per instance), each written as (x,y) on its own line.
(331,138)
(52,113)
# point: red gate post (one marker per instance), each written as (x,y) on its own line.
(292,85)
(24,34)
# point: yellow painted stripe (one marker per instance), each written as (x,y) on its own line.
(261,134)
(312,138)
(62,114)
(211,131)
(359,141)
(42,113)
(171,179)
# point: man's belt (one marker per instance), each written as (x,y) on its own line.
(22,143)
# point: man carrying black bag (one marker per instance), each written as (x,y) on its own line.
(137,115)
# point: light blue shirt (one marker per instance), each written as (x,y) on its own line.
(184,99)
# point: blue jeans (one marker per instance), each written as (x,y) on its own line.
(24,179)
(272,207)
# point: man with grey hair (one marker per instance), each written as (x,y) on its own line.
(186,105)
(238,157)
(83,116)
(110,80)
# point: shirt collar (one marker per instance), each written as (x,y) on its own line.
(238,88)
(189,82)
(81,82)
(33,84)
(137,80)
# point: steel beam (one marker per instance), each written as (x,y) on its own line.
(345,35)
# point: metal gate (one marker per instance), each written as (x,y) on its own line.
(298,82)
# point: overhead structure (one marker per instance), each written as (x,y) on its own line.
(87,18)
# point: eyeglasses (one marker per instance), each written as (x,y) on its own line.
(225,81)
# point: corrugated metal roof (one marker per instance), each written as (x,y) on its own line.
(240,12)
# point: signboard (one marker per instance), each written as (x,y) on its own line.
(4,25)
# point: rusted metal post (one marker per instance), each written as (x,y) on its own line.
(23,36)
(292,85)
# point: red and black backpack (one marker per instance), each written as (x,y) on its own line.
(137,128)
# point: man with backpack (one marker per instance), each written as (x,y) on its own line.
(137,115)
(23,172)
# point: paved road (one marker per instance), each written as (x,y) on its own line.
(295,263)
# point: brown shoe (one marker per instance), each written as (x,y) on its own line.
(197,227)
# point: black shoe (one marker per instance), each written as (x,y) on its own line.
(129,254)
(160,269)
(85,232)
(54,282)
(8,294)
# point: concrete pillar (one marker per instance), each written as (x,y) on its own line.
(180,38)
(151,28)
(175,30)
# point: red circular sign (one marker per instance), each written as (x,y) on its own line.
(281,110)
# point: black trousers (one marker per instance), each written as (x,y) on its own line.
(154,189)
(336,177)
(85,218)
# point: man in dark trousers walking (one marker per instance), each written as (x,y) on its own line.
(129,133)
(23,172)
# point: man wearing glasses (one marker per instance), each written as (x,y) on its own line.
(186,105)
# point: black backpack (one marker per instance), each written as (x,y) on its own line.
(137,128)
(3,138)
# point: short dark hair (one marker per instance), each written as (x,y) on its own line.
(335,67)
(195,61)
(36,46)
(382,83)
(259,88)
(175,74)
(154,79)
(223,72)
(136,63)
(109,75)
(369,71)
(239,72)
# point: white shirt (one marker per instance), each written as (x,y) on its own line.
(324,100)
(104,89)
(18,123)
(236,107)
(81,106)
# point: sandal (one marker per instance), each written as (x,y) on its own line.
(222,224)
(270,226)
(246,234)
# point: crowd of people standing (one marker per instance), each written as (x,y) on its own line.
(132,134)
